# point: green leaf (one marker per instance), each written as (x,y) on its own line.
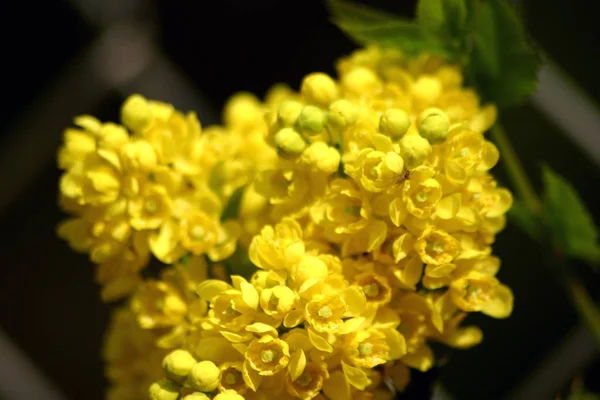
(503,65)
(232,209)
(367,26)
(568,220)
(443,17)
(525,219)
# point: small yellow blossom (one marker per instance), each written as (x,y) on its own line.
(267,355)
(325,314)
(310,382)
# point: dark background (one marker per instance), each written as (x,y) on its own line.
(49,303)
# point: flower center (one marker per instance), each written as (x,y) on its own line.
(371,290)
(437,247)
(325,312)
(465,152)
(304,380)
(230,378)
(421,197)
(198,232)
(268,356)
(150,206)
(353,210)
(365,349)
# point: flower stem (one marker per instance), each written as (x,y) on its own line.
(515,169)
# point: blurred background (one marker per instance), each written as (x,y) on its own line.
(67,57)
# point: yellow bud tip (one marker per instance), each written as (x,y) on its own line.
(136,113)
(288,113)
(196,396)
(415,149)
(289,141)
(312,119)
(434,126)
(228,395)
(177,365)
(394,123)
(164,390)
(204,376)
(341,113)
(318,88)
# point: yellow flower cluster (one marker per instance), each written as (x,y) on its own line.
(365,206)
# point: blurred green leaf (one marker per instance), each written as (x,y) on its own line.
(503,65)
(525,219)
(445,18)
(367,26)
(568,220)
(232,209)
(585,306)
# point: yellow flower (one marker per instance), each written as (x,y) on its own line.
(366,348)
(436,247)
(232,378)
(277,301)
(200,232)
(321,158)
(230,311)
(138,156)
(279,247)
(310,382)
(204,376)
(375,287)
(325,314)
(481,292)
(268,355)
(158,304)
(150,209)
(421,192)
(467,152)
(136,113)
(374,170)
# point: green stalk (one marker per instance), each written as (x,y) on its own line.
(515,169)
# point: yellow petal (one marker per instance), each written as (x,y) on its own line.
(386,318)
(398,211)
(355,300)
(336,387)
(377,234)
(501,306)
(439,271)
(396,343)
(319,342)
(356,376)
(382,143)
(297,364)
(293,318)
(421,359)
(259,327)
(207,290)
(251,377)
(350,325)
(217,349)
(464,338)
(249,295)
(236,337)
(483,120)
(448,206)
(298,339)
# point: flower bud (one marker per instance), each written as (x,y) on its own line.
(415,149)
(228,395)
(394,122)
(196,396)
(426,90)
(136,113)
(164,390)
(288,112)
(341,113)
(177,365)
(319,88)
(360,81)
(434,126)
(322,157)
(139,156)
(312,119)
(204,376)
(289,141)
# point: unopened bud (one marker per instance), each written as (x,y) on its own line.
(312,119)
(319,88)
(204,376)
(415,149)
(136,113)
(177,365)
(288,113)
(394,123)
(341,113)
(289,141)
(434,126)
(164,390)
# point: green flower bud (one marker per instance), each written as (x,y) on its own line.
(415,149)
(288,113)
(196,396)
(289,141)
(394,122)
(204,376)
(164,390)
(312,119)
(434,126)
(177,365)
(341,113)
(319,88)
